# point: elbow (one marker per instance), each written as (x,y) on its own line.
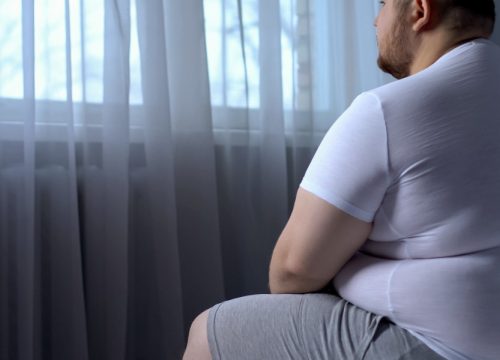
(278,281)
(280,277)
(292,280)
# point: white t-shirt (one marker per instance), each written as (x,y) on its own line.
(420,157)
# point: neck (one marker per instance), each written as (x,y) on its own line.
(433,46)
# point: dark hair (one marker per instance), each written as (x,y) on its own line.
(481,8)
(467,14)
(464,15)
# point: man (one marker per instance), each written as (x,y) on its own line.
(400,207)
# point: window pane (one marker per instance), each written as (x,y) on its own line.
(50,62)
(93,35)
(135,59)
(11,56)
(288,61)
(225,55)
(214,23)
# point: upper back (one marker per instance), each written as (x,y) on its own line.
(443,134)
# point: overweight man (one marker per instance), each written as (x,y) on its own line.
(400,206)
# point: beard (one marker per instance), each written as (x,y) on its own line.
(395,56)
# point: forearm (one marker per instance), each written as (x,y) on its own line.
(282,282)
(287,276)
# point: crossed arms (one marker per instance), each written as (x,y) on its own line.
(316,242)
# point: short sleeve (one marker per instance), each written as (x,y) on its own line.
(350,169)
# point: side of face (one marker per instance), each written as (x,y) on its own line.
(393,39)
(385,18)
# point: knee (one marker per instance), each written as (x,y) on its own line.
(197,346)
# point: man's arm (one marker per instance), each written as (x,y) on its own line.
(317,241)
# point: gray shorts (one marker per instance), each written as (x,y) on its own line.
(311,326)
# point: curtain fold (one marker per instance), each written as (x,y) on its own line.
(160,174)
(116,173)
(21,293)
(150,152)
(195,177)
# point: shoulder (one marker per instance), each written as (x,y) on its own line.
(443,76)
(363,117)
(366,103)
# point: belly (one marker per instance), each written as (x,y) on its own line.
(454,300)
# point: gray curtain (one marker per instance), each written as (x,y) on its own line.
(150,152)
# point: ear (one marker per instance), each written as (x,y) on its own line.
(421,14)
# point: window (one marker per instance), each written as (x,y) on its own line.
(51,68)
(328,53)
(227,58)
(87,26)
(11,74)
(316,37)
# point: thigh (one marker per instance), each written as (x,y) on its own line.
(310,326)
(256,327)
(394,343)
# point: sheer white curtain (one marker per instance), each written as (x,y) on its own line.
(149,156)
(281,72)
